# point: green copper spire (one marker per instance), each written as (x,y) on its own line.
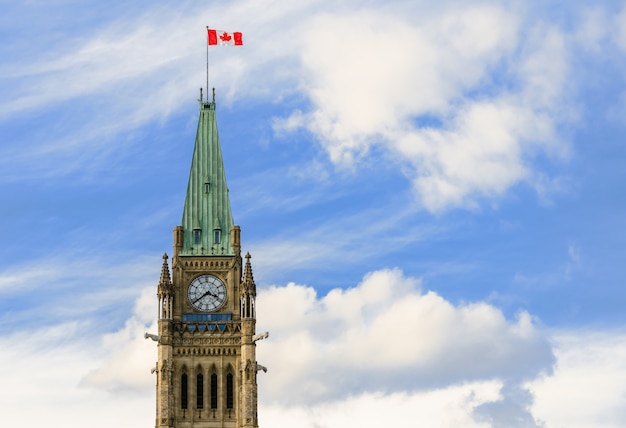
(207,218)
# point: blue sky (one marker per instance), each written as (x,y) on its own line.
(449,173)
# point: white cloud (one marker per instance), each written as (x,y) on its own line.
(127,351)
(588,387)
(361,238)
(475,95)
(385,335)
(466,95)
(383,69)
(574,263)
(480,155)
(382,350)
(42,372)
(450,407)
(74,286)
(463,96)
(619,28)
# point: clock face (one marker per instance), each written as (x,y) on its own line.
(207,293)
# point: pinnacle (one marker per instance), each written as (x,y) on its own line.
(248,278)
(165,283)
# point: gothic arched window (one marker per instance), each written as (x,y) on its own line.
(229,391)
(214,391)
(199,391)
(183,391)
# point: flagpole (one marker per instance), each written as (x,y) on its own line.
(207,64)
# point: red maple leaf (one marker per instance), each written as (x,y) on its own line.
(225,37)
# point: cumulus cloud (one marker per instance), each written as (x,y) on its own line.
(125,369)
(510,410)
(588,387)
(465,95)
(383,350)
(444,408)
(385,335)
(385,69)
(384,339)
(43,370)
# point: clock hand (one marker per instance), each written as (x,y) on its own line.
(208,292)
(201,297)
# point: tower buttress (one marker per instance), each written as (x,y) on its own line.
(164,367)
(249,389)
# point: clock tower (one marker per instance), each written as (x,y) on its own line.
(206,373)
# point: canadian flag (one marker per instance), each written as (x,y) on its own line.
(219,37)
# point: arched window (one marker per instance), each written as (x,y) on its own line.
(183,391)
(199,391)
(214,391)
(229,391)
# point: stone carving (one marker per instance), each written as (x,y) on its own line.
(248,369)
(154,337)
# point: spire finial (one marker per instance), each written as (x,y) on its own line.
(213,95)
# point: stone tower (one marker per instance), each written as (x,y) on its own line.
(207,369)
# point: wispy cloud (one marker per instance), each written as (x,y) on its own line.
(466,113)
(364,234)
(73,287)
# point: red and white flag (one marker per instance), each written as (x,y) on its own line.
(219,37)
